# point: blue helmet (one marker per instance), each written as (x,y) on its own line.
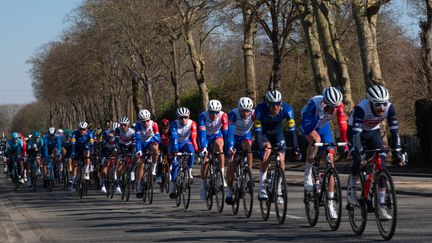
(15,135)
(36,134)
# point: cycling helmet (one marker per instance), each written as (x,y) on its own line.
(214,105)
(144,115)
(273,96)
(51,130)
(124,120)
(15,135)
(332,96)
(183,111)
(165,123)
(245,103)
(82,125)
(60,130)
(36,134)
(377,94)
(115,125)
(30,136)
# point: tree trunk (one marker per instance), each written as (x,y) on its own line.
(277,60)
(174,73)
(135,94)
(248,52)
(365,15)
(426,37)
(198,68)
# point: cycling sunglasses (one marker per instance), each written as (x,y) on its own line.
(213,112)
(183,117)
(272,104)
(380,104)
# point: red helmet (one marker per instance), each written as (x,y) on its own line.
(165,123)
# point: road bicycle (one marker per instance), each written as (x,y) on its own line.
(183,181)
(242,184)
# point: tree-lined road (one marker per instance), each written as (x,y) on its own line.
(59,216)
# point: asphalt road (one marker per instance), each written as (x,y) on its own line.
(59,216)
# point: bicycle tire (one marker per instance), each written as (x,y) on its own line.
(150,187)
(265,205)
(127,188)
(337,198)
(247,192)
(209,187)
(186,189)
(34,181)
(386,228)
(280,208)
(219,190)
(236,190)
(357,214)
(311,201)
(178,186)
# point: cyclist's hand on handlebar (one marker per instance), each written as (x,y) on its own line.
(138,154)
(203,152)
(297,154)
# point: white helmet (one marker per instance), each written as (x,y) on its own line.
(124,120)
(115,125)
(51,130)
(377,94)
(332,96)
(183,111)
(59,131)
(82,125)
(144,115)
(245,103)
(214,105)
(273,96)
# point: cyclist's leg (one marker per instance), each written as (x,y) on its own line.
(326,137)
(281,145)
(246,145)
(154,148)
(188,148)
(374,141)
(311,138)
(264,163)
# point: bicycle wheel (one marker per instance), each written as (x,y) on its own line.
(357,213)
(150,187)
(219,190)
(281,192)
(236,191)
(34,181)
(178,186)
(311,201)
(333,176)
(386,227)
(265,204)
(209,181)
(186,189)
(247,192)
(123,187)
(127,188)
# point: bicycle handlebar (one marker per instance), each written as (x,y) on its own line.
(183,154)
(340,144)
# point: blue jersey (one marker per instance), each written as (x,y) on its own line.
(51,142)
(14,148)
(82,141)
(33,147)
(267,124)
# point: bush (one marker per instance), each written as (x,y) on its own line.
(423,112)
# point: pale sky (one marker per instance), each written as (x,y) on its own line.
(25,25)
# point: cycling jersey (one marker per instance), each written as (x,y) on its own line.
(81,142)
(13,148)
(183,134)
(270,127)
(315,118)
(239,128)
(34,148)
(50,142)
(210,130)
(125,138)
(146,135)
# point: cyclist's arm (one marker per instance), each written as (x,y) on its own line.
(156,136)
(91,142)
(46,146)
(174,137)
(342,122)
(232,118)
(138,137)
(193,136)
(224,120)
(202,131)
(59,145)
(358,117)
(394,129)
(308,121)
(289,115)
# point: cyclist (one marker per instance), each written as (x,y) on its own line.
(82,146)
(24,155)
(67,152)
(109,148)
(15,147)
(147,138)
(364,131)
(125,137)
(52,151)
(240,120)
(269,118)
(213,129)
(183,139)
(164,148)
(34,149)
(315,127)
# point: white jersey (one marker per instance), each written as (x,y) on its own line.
(146,133)
(126,138)
(213,127)
(183,132)
(369,121)
(241,126)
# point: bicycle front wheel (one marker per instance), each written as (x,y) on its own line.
(280,196)
(186,190)
(219,190)
(384,188)
(236,192)
(357,213)
(265,204)
(178,189)
(209,181)
(311,201)
(332,177)
(150,187)
(247,192)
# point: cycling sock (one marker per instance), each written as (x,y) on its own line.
(229,192)
(262,178)
(308,169)
(381,197)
